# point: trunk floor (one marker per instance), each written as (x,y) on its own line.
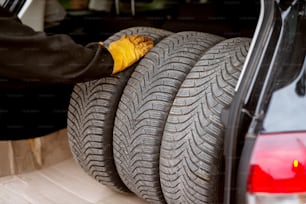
(62,183)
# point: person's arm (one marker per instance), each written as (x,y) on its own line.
(29,55)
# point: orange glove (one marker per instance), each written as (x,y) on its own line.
(128,49)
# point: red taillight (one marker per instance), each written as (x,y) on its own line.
(278,164)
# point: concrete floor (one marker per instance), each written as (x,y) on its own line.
(62,183)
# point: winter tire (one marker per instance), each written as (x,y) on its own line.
(192,145)
(91,117)
(144,107)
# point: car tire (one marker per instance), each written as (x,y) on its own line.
(91,116)
(191,157)
(144,107)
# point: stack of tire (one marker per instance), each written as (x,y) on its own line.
(155,129)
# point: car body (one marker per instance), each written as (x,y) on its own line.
(267,112)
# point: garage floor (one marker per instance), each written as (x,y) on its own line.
(62,183)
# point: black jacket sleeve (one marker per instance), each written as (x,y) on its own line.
(34,56)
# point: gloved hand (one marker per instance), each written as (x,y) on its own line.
(129,49)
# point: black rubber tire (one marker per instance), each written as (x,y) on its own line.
(91,117)
(191,157)
(144,107)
